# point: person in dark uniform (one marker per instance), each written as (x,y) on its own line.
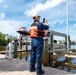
(37,32)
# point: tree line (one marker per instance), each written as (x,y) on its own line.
(2,39)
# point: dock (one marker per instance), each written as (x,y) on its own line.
(21,67)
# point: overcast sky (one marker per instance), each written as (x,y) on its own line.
(18,13)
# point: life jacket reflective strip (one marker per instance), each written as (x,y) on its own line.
(34,32)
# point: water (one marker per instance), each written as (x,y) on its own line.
(73,46)
(62,62)
(65,63)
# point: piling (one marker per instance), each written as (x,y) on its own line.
(15,48)
(51,48)
(69,46)
(26,53)
(45,53)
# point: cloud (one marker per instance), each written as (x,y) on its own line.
(6,6)
(9,26)
(74,25)
(2,16)
(61,22)
(72,31)
(3,3)
(40,7)
(72,1)
(0,1)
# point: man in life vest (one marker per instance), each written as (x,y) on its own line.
(37,32)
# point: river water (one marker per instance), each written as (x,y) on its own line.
(73,46)
(63,63)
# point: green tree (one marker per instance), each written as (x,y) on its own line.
(2,39)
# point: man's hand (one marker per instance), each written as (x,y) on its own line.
(46,22)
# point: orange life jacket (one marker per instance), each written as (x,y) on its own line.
(34,32)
